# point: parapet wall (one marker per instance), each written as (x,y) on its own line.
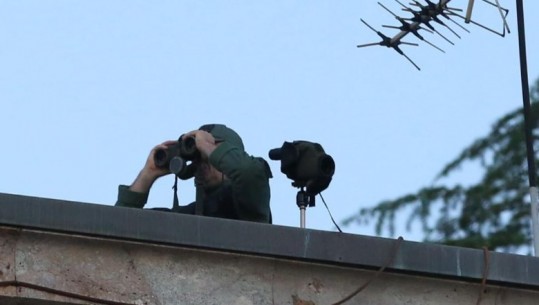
(58,252)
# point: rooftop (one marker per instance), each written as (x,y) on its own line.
(319,249)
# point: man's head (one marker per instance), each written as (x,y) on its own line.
(221,133)
(206,175)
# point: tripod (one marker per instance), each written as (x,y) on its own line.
(304,200)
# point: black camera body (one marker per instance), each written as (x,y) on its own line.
(306,163)
(175,157)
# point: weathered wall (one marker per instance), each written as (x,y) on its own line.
(145,273)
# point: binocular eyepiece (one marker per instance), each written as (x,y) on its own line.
(175,157)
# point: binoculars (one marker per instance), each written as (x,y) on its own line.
(175,157)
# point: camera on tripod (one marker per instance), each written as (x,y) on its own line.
(306,164)
(309,167)
(175,157)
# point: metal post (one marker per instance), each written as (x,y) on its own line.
(528,126)
(302,217)
(535,218)
(469,11)
(302,201)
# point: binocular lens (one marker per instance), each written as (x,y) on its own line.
(162,157)
(189,149)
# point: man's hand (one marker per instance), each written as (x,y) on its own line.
(150,172)
(204,142)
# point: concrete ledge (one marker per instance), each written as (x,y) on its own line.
(305,245)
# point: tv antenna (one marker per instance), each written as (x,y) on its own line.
(427,15)
(409,27)
(390,43)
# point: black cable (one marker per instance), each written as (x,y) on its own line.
(331,216)
(393,254)
(485,275)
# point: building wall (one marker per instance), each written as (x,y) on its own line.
(149,273)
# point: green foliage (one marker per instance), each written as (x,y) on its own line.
(493,212)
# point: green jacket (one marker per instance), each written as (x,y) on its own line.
(245,195)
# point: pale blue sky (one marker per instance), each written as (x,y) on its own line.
(89,87)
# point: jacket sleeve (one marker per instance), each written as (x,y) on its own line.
(128,198)
(249,177)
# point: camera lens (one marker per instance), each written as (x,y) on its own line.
(327,165)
